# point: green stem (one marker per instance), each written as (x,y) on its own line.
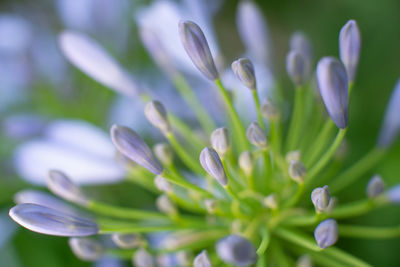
(187,132)
(320,143)
(358,208)
(296,121)
(326,157)
(123,213)
(189,96)
(234,117)
(265,238)
(193,164)
(353,173)
(268,171)
(109,229)
(182,183)
(296,197)
(275,134)
(369,232)
(258,110)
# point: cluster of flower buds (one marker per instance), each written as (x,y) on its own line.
(242,196)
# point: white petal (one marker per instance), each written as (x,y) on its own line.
(88,56)
(35,158)
(81,135)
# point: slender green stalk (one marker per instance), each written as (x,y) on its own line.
(268,169)
(189,96)
(258,110)
(358,208)
(234,117)
(296,197)
(187,132)
(182,183)
(296,121)
(346,258)
(369,232)
(109,229)
(326,157)
(265,239)
(356,170)
(275,137)
(320,143)
(183,155)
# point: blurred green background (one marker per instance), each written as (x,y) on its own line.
(321,20)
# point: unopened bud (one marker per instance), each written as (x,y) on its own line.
(202,260)
(320,197)
(157,116)
(196,46)
(271,201)
(211,205)
(62,186)
(228,248)
(162,184)
(350,46)
(220,140)
(270,111)
(246,162)
(244,71)
(375,186)
(211,162)
(300,42)
(297,67)
(256,135)
(326,233)
(165,205)
(393,194)
(87,249)
(304,261)
(334,88)
(127,241)
(164,153)
(130,144)
(297,171)
(142,258)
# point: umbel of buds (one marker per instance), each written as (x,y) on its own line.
(197,48)
(244,71)
(131,145)
(211,162)
(333,85)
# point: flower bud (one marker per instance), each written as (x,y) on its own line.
(142,258)
(391,125)
(244,71)
(47,221)
(333,86)
(393,194)
(157,116)
(256,135)
(127,241)
(196,46)
(246,162)
(271,201)
(228,248)
(326,233)
(130,144)
(162,184)
(164,153)
(350,46)
(202,260)
(211,162)
(87,249)
(375,186)
(59,183)
(297,171)
(270,111)
(320,197)
(304,261)
(165,205)
(211,205)
(293,155)
(297,67)
(220,140)
(300,42)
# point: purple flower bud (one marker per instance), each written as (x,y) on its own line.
(375,186)
(220,140)
(87,249)
(297,67)
(270,111)
(51,222)
(127,241)
(236,250)
(297,171)
(393,194)
(350,46)
(157,115)
(211,162)
(391,125)
(142,258)
(256,135)
(333,85)
(244,71)
(196,46)
(321,197)
(326,233)
(130,144)
(59,183)
(202,260)
(300,42)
